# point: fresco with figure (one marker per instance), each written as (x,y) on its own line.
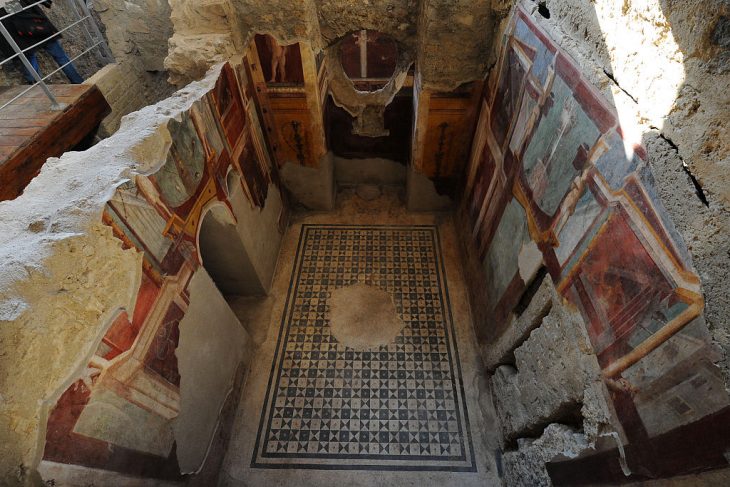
(286,80)
(553,173)
(281,64)
(119,417)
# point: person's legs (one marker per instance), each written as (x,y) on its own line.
(59,55)
(33,60)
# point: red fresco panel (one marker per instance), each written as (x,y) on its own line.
(638,196)
(161,356)
(619,286)
(65,446)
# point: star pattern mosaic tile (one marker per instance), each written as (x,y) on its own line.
(400,406)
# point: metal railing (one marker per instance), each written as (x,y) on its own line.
(91,32)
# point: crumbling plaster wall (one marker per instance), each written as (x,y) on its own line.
(530,354)
(138,27)
(456,39)
(666,66)
(54,318)
(395,18)
(288,21)
(65,276)
(451,39)
(313,188)
(673,59)
(448,40)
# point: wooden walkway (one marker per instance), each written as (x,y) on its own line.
(30,132)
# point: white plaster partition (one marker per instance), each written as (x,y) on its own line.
(212,345)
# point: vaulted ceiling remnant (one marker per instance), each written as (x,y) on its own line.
(449,40)
(394,18)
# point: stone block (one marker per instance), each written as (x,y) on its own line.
(526,466)
(552,369)
(502,350)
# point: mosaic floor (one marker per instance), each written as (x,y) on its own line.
(400,406)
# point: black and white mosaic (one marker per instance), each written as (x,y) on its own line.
(400,406)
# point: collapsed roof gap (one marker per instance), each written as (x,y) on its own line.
(543,10)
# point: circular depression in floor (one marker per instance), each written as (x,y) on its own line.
(363,316)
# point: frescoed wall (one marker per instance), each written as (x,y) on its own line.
(125,415)
(448,131)
(442,132)
(368,58)
(286,79)
(553,185)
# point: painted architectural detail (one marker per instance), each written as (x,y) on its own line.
(287,81)
(550,166)
(119,417)
(443,131)
(281,64)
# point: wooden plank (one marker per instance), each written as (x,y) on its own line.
(26,106)
(12,131)
(65,130)
(33,105)
(73,91)
(6,151)
(21,123)
(13,140)
(10,93)
(13,114)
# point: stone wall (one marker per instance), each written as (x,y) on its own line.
(126,90)
(137,33)
(204,34)
(547,390)
(53,313)
(139,28)
(547,380)
(562,182)
(449,43)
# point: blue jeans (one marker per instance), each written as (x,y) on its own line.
(59,55)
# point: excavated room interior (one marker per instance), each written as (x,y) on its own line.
(391,242)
